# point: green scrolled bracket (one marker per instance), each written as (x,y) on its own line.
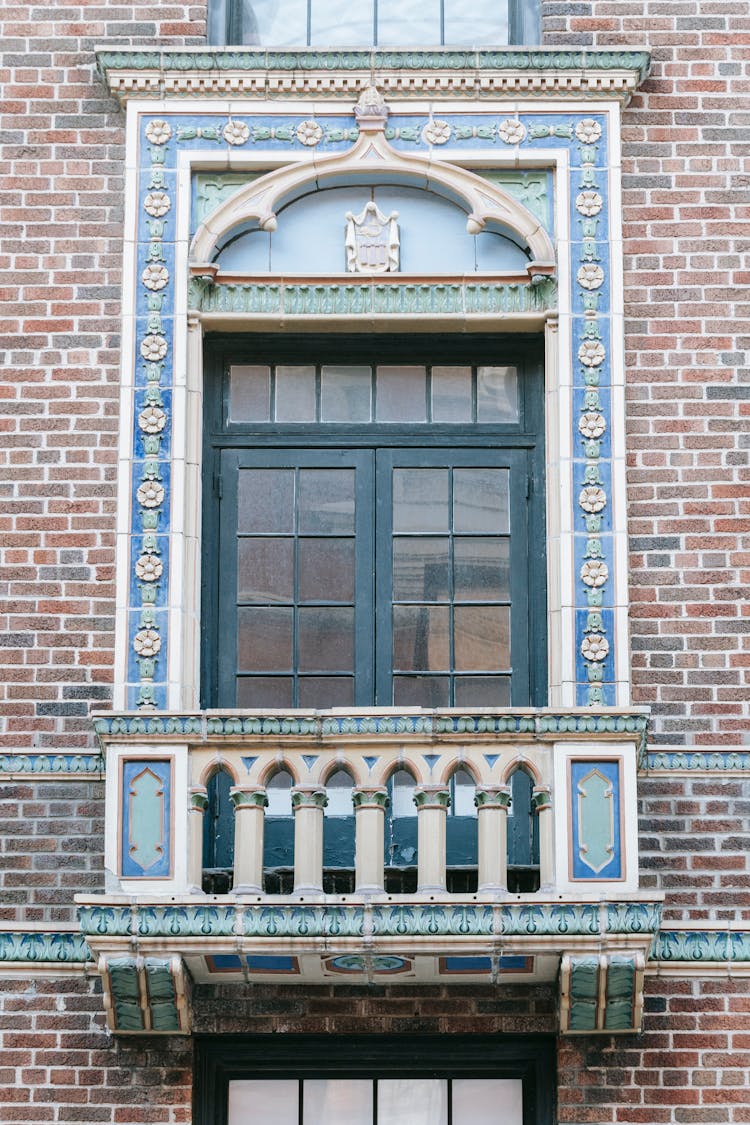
(248,797)
(601,994)
(312,798)
(145,995)
(432,797)
(492,797)
(375,797)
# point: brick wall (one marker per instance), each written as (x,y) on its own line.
(691,1064)
(61,192)
(51,848)
(686,200)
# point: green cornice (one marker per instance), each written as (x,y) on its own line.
(533,71)
(205,726)
(371,298)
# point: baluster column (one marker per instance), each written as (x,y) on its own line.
(369,809)
(249,816)
(492,803)
(432,803)
(541,803)
(196,809)
(308,803)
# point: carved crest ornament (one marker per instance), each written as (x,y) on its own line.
(372,241)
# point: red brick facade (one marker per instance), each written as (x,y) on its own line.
(686,206)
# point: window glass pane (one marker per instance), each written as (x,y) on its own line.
(249,394)
(482,691)
(463,794)
(420,638)
(412,1101)
(481,569)
(265,570)
(402,794)
(325,640)
(409,23)
(345,394)
(400,394)
(279,794)
(339,792)
(478,22)
(497,394)
(265,501)
(481,501)
(325,691)
(326,570)
(481,638)
(341,23)
(420,569)
(270,1100)
(265,691)
(295,394)
(326,501)
(264,640)
(487,1101)
(338,1101)
(421,691)
(420,500)
(451,394)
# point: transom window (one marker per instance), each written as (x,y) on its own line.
(383,23)
(374,1080)
(377,528)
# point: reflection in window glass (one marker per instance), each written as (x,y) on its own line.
(398,23)
(345,393)
(338,1101)
(279,793)
(249,393)
(277,1099)
(402,799)
(482,1101)
(412,1101)
(339,793)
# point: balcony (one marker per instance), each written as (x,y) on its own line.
(365,846)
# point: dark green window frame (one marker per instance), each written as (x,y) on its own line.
(373,448)
(221,1060)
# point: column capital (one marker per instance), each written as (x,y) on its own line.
(248,797)
(308,797)
(541,798)
(492,797)
(198,795)
(371,797)
(432,797)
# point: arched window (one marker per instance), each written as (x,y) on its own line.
(523,836)
(218,835)
(461,835)
(338,835)
(385,23)
(401,835)
(278,836)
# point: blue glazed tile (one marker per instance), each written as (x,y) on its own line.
(607,666)
(608,695)
(146,850)
(159,696)
(158,588)
(582,869)
(141,438)
(604,553)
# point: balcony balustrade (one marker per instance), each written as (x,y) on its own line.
(343,846)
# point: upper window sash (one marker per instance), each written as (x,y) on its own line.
(379,23)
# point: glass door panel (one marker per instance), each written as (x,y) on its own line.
(412,1101)
(296,578)
(448,572)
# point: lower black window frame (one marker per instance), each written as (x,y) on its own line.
(220,1060)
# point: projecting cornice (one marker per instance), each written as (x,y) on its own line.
(258,73)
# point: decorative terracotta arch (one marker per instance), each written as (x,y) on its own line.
(371,160)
